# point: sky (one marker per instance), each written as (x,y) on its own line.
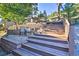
(49,7)
(0,20)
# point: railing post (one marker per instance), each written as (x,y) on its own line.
(66,27)
(69,34)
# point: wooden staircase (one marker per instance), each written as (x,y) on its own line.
(43,45)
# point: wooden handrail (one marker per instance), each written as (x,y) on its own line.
(69,32)
(66,27)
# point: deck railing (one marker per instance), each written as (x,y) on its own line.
(66,27)
(69,32)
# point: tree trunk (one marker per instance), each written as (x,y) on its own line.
(68,16)
(5,26)
(59,11)
(16,25)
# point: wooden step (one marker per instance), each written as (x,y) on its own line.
(44,35)
(9,45)
(24,52)
(10,54)
(48,39)
(59,46)
(16,39)
(50,43)
(43,49)
(11,41)
(37,51)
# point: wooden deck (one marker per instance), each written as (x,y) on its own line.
(56,31)
(52,41)
(60,30)
(38,45)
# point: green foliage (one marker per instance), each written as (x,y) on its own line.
(40,15)
(59,11)
(45,14)
(16,11)
(70,11)
(52,15)
(34,9)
